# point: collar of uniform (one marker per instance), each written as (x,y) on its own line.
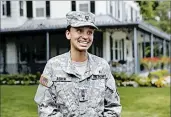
(69,68)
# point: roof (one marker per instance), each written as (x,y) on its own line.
(58,23)
(101,20)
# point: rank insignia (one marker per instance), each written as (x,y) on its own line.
(83,95)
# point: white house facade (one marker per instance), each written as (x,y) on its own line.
(33,31)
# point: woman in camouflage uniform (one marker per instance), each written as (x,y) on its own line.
(77,83)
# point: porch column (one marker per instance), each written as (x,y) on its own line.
(151,51)
(164,47)
(47,46)
(135,52)
(106,46)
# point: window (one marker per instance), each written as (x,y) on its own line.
(73,5)
(83,7)
(118,9)
(111,8)
(40,12)
(40,8)
(119,49)
(21,8)
(131,14)
(6,8)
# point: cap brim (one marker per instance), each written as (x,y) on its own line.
(82,24)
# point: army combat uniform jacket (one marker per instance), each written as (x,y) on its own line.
(64,93)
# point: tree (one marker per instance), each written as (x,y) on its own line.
(163,11)
(147,9)
(152,9)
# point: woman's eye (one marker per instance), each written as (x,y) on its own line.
(89,33)
(78,30)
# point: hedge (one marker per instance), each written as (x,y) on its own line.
(155,79)
(19,79)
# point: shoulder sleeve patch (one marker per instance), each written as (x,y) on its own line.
(45,82)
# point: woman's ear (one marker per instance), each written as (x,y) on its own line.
(67,33)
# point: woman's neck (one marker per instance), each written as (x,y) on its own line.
(78,56)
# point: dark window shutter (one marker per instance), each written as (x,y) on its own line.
(29,9)
(47,8)
(8,8)
(73,5)
(92,6)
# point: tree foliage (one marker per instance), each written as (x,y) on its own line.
(152,9)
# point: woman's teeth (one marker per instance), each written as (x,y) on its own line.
(84,42)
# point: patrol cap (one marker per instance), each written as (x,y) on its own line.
(79,19)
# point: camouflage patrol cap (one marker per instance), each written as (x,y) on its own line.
(79,19)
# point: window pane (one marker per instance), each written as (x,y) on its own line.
(21,8)
(40,12)
(116,54)
(116,44)
(4,8)
(83,7)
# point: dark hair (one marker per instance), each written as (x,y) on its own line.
(68,27)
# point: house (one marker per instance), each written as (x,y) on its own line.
(34,31)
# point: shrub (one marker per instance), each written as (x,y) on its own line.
(18,79)
(160,82)
(158,74)
(143,81)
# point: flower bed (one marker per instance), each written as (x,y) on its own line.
(158,78)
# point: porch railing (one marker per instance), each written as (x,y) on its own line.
(122,66)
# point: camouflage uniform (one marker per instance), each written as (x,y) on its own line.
(62,92)
(67,94)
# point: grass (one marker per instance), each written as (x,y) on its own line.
(17,101)
(145,102)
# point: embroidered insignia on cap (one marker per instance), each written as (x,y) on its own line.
(43,81)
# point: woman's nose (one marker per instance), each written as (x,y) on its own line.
(85,35)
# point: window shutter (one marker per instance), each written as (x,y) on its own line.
(8,8)
(29,9)
(92,6)
(73,5)
(47,8)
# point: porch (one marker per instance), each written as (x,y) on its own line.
(26,49)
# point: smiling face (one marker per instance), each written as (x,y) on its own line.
(80,38)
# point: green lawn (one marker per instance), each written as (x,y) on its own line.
(17,101)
